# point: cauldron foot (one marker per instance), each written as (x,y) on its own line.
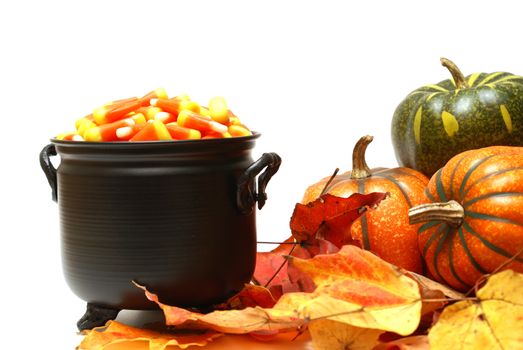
(96,316)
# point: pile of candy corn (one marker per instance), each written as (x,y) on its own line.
(155,116)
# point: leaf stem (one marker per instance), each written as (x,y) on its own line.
(329,182)
(281,266)
(483,278)
(264,242)
(438,300)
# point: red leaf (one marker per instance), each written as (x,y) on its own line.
(330,217)
(272,270)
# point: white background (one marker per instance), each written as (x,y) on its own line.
(311,76)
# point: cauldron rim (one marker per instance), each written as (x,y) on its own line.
(156,144)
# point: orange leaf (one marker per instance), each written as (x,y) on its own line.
(249,296)
(242,321)
(116,332)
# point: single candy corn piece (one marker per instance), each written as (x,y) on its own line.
(168,105)
(69,136)
(218,110)
(239,130)
(175,106)
(85,125)
(217,135)
(180,133)
(127,132)
(190,106)
(205,112)
(165,117)
(138,118)
(155,130)
(233,119)
(158,93)
(114,112)
(87,119)
(100,112)
(196,121)
(106,132)
(149,111)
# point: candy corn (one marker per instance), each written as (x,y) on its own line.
(165,117)
(69,136)
(115,111)
(155,130)
(239,130)
(158,93)
(107,132)
(218,110)
(180,133)
(175,105)
(196,121)
(127,132)
(155,116)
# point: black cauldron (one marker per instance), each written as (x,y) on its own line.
(175,216)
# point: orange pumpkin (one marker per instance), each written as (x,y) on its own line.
(386,230)
(475,223)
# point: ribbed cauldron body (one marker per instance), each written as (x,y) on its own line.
(162,214)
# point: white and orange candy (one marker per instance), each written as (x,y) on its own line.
(156,117)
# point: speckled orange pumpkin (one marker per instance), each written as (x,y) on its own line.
(386,230)
(475,223)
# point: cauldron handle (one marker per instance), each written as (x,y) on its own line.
(246,192)
(49,169)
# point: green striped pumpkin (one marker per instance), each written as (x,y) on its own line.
(438,121)
(474,224)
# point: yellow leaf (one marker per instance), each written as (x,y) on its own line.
(332,335)
(415,342)
(493,321)
(358,288)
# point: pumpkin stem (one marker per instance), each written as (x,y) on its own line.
(360,169)
(458,77)
(450,212)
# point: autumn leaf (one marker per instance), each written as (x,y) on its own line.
(330,217)
(332,335)
(430,285)
(250,296)
(434,296)
(319,227)
(416,342)
(115,332)
(358,288)
(272,271)
(492,320)
(242,321)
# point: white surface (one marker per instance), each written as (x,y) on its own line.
(312,76)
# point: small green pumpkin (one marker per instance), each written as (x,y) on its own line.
(438,121)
